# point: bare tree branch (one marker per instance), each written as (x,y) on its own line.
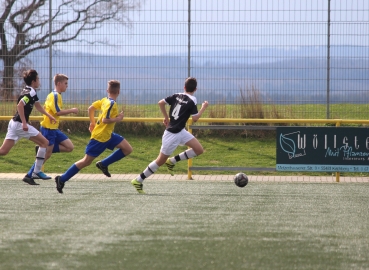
(24,25)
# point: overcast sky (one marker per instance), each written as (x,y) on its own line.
(161,26)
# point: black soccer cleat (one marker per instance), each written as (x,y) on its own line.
(29,181)
(59,184)
(103,168)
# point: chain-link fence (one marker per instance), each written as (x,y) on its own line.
(263,59)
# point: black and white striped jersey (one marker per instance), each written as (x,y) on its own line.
(28,97)
(182,106)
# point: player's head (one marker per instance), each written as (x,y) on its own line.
(59,78)
(190,84)
(113,87)
(30,77)
(61,82)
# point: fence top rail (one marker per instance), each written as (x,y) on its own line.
(281,121)
(234,127)
(215,120)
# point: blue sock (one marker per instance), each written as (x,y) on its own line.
(29,174)
(117,155)
(56,148)
(72,171)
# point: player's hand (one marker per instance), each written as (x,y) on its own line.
(75,110)
(166,122)
(25,126)
(91,127)
(52,119)
(120,116)
(205,104)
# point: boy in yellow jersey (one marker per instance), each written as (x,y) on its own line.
(58,141)
(102,136)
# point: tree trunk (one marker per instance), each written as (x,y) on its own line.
(7,84)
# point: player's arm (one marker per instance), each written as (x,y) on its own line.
(20,109)
(54,104)
(197,116)
(91,114)
(67,111)
(162,104)
(114,119)
(42,110)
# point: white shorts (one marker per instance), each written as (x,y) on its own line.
(15,131)
(171,141)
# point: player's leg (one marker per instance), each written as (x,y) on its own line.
(62,142)
(72,171)
(153,167)
(93,149)
(6,146)
(64,146)
(49,150)
(12,136)
(58,142)
(169,144)
(150,169)
(194,150)
(43,143)
(124,149)
(189,140)
(51,136)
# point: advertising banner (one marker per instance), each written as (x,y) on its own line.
(323,149)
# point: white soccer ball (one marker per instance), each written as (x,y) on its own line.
(241,179)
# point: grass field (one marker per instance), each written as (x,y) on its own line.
(225,151)
(259,108)
(184,225)
(229,151)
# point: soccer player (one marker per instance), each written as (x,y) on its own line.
(102,136)
(58,141)
(19,128)
(182,106)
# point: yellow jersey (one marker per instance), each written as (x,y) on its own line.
(53,104)
(108,109)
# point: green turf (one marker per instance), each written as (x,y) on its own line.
(233,151)
(184,225)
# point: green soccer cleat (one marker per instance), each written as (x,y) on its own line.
(138,186)
(170,166)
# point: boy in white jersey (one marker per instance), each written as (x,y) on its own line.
(102,137)
(182,106)
(19,126)
(58,141)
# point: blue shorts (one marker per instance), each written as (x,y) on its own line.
(55,136)
(95,148)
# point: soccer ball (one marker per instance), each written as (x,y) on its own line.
(241,179)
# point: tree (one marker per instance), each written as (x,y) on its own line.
(24,27)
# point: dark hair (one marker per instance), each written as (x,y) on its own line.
(29,76)
(190,84)
(113,86)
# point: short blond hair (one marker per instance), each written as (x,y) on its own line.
(59,78)
(113,86)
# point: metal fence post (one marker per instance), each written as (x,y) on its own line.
(189,40)
(50,49)
(328,56)
(189,162)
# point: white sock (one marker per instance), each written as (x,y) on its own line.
(183,156)
(152,168)
(40,157)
